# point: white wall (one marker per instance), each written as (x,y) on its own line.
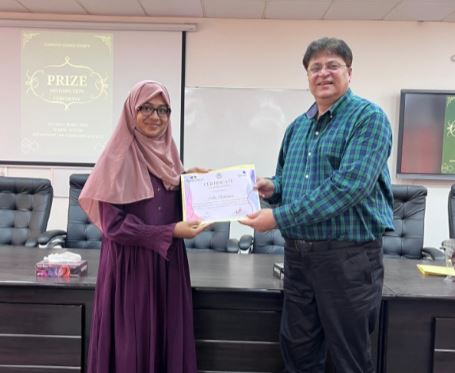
(388,56)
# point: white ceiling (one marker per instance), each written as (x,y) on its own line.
(387,10)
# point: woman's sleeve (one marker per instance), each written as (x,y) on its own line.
(129,230)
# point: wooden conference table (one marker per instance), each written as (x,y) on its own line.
(45,323)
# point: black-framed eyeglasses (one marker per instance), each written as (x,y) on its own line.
(331,67)
(147,110)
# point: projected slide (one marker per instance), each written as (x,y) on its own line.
(66,93)
(63,89)
(448,147)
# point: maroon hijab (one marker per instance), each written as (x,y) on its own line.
(121,174)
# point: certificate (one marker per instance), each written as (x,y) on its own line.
(221,195)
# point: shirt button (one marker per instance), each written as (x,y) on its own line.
(306,176)
(158,189)
(159,208)
(317,133)
(309,154)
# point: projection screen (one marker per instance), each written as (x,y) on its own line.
(63,89)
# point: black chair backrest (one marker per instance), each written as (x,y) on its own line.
(81,232)
(409,202)
(25,206)
(215,237)
(269,242)
(452,212)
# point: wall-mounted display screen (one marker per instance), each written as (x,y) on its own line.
(426,136)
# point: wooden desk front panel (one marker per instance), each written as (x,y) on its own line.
(40,335)
(444,345)
(44,326)
(409,333)
(237,331)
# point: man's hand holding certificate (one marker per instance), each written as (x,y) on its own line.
(220,195)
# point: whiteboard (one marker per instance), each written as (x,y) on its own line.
(229,126)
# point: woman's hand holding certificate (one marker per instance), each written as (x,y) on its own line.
(220,195)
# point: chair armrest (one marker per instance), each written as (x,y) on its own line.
(245,244)
(433,253)
(52,238)
(232,246)
(31,242)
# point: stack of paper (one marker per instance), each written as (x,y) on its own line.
(427,269)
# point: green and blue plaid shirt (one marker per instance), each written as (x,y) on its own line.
(332,180)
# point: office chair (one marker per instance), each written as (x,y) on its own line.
(214,238)
(269,242)
(25,206)
(80,232)
(409,203)
(452,212)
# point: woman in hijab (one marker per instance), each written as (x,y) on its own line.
(142,315)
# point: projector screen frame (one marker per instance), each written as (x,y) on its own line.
(105,26)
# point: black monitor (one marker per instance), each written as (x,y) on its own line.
(426,135)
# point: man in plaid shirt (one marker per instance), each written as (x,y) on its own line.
(334,197)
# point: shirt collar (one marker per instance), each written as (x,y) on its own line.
(313,110)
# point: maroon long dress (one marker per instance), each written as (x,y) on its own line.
(142,317)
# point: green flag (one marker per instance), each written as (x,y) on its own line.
(448,144)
